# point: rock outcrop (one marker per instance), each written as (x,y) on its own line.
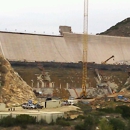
(13,89)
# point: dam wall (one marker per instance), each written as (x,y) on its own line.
(67,48)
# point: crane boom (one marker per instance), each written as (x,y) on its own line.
(85,40)
(85,27)
(104,62)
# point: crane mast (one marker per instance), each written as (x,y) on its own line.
(85,41)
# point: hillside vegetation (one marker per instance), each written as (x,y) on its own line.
(120,29)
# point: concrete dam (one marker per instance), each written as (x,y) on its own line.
(67,48)
(60,56)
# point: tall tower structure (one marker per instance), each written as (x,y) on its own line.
(85,44)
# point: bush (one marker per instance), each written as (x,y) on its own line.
(124,110)
(104,125)
(52,123)
(21,120)
(90,122)
(80,127)
(81,117)
(62,122)
(25,119)
(107,110)
(84,107)
(117,124)
(7,121)
(118,110)
(42,122)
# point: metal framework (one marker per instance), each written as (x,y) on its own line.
(85,42)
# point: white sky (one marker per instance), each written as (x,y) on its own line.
(45,16)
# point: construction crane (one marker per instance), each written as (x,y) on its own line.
(83,93)
(104,62)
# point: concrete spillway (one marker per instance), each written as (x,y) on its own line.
(67,48)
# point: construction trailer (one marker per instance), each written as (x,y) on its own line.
(51,104)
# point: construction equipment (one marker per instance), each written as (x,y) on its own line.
(83,93)
(104,62)
(44,75)
(99,78)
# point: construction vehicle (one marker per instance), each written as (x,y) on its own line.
(104,62)
(44,75)
(99,78)
(83,93)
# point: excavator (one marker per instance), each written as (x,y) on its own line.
(104,62)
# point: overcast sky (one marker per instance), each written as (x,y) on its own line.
(45,16)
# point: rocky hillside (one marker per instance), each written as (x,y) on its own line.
(13,89)
(120,29)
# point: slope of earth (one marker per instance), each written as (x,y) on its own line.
(120,29)
(13,89)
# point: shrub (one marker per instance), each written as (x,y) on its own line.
(80,127)
(62,122)
(107,110)
(25,119)
(52,123)
(104,125)
(117,124)
(21,120)
(42,122)
(81,117)
(90,122)
(124,110)
(7,121)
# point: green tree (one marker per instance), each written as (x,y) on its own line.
(90,123)
(117,124)
(25,119)
(128,125)
(80,127)
(7,121)
(124,110)
(104,125)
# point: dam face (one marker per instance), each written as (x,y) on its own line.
(66,48)
(61,56)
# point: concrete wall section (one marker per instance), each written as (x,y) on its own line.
(47,116)
(2,106)
(34,47)
(101,48)
(69,48)
(74,44)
